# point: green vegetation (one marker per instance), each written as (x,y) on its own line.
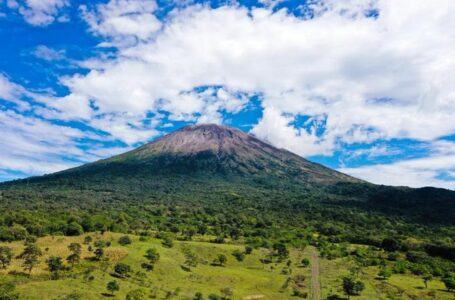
(120,272)
(231,224)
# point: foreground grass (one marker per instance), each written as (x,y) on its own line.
(249,279)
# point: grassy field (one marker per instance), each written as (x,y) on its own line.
(249,279)
(398,286)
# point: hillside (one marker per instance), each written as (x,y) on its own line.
(218,190)
(225,181)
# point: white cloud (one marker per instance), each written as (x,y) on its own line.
(414,173)
(368,78)
(40,12)
(49,54)
(389,77)
(12,92)
(35,146)
(122,21)
(434,170)
(274,127)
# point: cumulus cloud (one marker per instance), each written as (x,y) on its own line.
(433,170)
(384,77)
(122,21)
(357,71)
(33,146)
(40,12)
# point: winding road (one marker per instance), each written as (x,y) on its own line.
(315,283)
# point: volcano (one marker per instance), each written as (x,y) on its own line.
(209,164)
(217,150)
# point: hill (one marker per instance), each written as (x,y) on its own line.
(217,190)
(226,182)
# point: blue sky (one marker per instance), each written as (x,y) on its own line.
(363,86)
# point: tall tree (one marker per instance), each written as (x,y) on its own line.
(75,255)
(6,254)
(352,286)
(113,286)
(31,254)
(55,265)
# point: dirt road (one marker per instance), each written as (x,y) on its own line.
(315,283)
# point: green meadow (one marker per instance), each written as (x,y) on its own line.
(173,278)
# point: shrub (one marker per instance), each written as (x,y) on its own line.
(113,286)
(122,269)
(152,255)
(240,256)
(305,262)
(167,242)
(124,240)
(135,295)
(74,229)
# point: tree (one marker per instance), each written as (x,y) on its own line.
(135,295)
(352,286)
(8,292)
(88,239)
(240,256)
(391,244)
(152,255)
(99,252)
(6,254)
(147,266)
(248,250)
(384,273)
(198,296)
(124,240)
(54,264)
(167,242)
(74,229)
(113,286)
(281,251)
(30,254)
(75,248)
(305,262)
(75,255)
(220,260)
(427,278)
(449,281)
(122,269)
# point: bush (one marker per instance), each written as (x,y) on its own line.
(74,229)
(305,262)
(122,269)
(220,260)
(135,295)
(124,240)
(8,291)
(152,255)
(198,296)
(147,266)
(240,256)
(167,242)
(300,294)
